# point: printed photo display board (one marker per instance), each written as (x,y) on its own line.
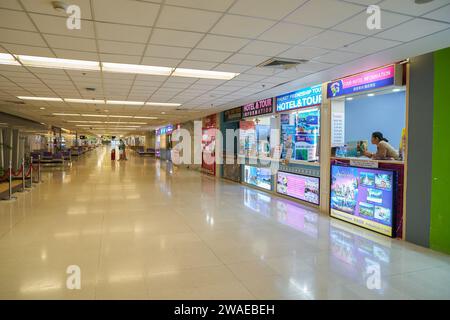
(298,186)
(363,197)
(260,177)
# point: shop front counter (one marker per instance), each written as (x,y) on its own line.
(368,193)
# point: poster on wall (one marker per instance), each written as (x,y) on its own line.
(337,129)
(259,177)
(364,197)
(298,186)
(301,136)
(208,151)
(247,139)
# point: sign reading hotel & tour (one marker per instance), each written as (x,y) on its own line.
(257,108)
(303,98)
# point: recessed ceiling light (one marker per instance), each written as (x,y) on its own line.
(40,99)
(163,112)
(162,104)
(136,68)
(371,95)
(350,98)
(6,58)
(130,103)
(396,90)
(88,101)
(205,74)
(57,63)
(42,108)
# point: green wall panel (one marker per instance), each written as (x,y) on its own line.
(440,201)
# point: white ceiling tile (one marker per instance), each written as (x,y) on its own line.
(332,40)
(313,66)
(28,50)
(214,42)
(301,52)
(262,71)
(57,25)
(239,26)
(412,8)
(264,48)
(249,77)
(161,62)
(214,5)
(189,64)
(324,13)
(117,58)
(77,55)
(265,9)
(117,32)
(247,59)
(358,24)
(187,19)
(208,55)
(126,11)
(442,14)
(289,33)
(116,47)
(15,20)
(412,30)
(371,45)
(71,43)
(338,57)
(10,4)
(45,7)
(175,38)
(227,67)
(21,37)
(166,51)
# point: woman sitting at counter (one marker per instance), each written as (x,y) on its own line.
(384,150)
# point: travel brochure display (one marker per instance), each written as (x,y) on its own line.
(260,177)
(363,197)
(298,186)
(247,139)
(300,135)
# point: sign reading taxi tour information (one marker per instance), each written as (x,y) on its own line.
(258,108)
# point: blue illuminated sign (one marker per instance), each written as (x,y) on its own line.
(300,99)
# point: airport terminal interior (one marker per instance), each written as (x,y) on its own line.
(224,150)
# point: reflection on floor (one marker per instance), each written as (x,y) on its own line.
(142,230)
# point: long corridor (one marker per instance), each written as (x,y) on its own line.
(142,230)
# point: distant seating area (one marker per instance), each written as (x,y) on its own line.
(145,152)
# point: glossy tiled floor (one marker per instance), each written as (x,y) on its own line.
(139,231)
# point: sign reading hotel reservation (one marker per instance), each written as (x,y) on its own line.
(258,108)
(365,81)
(303,98)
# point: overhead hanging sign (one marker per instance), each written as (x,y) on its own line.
(303,98)
(365,81)
(258,108)
(164,130)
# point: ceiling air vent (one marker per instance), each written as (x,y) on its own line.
(281,63)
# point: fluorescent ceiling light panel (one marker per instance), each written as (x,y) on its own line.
(204,74)
(56,63)
(88,101)
(119,116)
(95,115)
(40,99)
(162,104)
(136,69)
(83,121)
(150,118)
(6,58)
(67,114)
(130,103)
